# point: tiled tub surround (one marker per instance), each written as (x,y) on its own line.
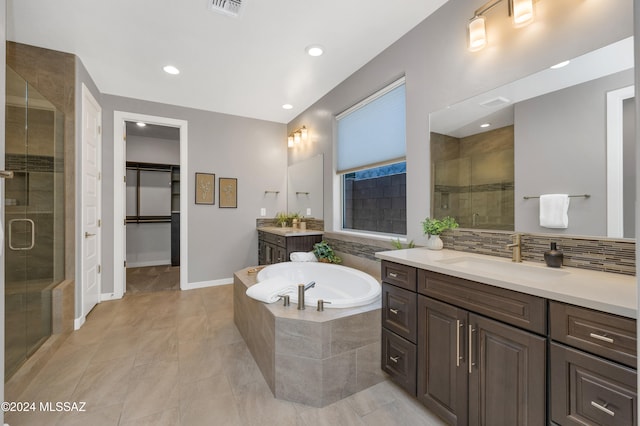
(596,254)
(310,357)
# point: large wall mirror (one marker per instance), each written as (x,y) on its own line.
(564,130)
(305,190)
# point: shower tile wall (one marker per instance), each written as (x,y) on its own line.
(473,178)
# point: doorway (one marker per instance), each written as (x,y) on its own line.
(152,207)
(34,217)
(120,194)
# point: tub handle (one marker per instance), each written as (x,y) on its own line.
(394,311)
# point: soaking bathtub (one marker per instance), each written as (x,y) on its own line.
(338,286)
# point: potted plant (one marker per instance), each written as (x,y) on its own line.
(282,218)
(434,227)
(324,253)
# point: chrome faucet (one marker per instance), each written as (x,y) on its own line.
(301,289)
(517,248)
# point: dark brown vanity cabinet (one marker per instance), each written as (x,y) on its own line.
(399,326)
(275,248)
(592,367)
(473,370)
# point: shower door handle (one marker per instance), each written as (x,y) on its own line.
(33,234)
(6,174)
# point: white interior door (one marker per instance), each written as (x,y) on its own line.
(91,209)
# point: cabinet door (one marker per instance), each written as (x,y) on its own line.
(507,374)
(589,390)
(280,254)
(442,361)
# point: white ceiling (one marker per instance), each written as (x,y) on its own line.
(248,66)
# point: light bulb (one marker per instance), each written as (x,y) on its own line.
(304,133)
(290,141)
(522,12)
(477,34)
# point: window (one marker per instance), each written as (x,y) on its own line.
(371,151)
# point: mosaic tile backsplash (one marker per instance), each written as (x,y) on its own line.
(605,255)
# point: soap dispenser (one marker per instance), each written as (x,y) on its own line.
(553,257)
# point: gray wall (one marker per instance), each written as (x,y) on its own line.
(221,241)
(441,71)
(629,168)
(561,147)
(153,150)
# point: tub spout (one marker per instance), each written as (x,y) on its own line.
(301,289)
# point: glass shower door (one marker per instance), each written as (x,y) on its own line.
(34,223)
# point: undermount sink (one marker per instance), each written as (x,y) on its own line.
(504,268)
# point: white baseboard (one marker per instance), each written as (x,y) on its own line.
(109,296)
(77,323)
(149,263)
(203,284)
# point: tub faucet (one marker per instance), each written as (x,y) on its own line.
(301,289)
(517,248)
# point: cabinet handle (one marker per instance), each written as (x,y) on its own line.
(393,275)
(603,338)
(394,358)
(394,311)
(471,363)
(457,343)
(602,408)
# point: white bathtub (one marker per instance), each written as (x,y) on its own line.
(341,286)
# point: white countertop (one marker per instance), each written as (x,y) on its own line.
(289,232)
(603,291)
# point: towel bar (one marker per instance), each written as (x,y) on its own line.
(570,196)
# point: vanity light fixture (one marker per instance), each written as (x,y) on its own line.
(297,136)
(520,10)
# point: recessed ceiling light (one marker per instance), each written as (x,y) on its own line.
(287,106)
(170,69)
(560,65)
(141,124)
(485,125)
(314,50)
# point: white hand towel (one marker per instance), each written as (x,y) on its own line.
(301,256)
(269,291)
(554,211)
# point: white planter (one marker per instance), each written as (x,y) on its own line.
(434,242)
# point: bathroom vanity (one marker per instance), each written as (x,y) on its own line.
(275,244)
(482,340)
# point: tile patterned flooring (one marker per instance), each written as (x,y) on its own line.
(176,358)
(153,278)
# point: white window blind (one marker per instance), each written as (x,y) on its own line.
(373,131)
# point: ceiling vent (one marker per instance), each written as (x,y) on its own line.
(226,7)
(495,102)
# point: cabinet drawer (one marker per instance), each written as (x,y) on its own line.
(278,240)
(519,309)
(586,389)
(399,360)
(399,275)
(603,334)
(399,311)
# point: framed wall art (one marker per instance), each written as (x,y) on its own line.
(205,188)
(228,193)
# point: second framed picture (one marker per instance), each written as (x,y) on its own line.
(228,193)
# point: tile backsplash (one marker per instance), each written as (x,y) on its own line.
(607,255)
